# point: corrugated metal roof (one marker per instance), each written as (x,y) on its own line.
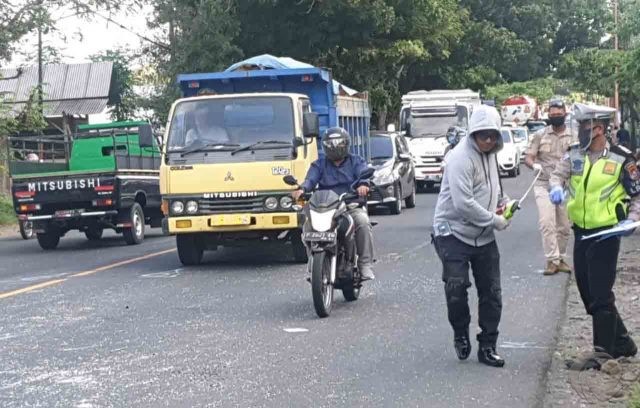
(78,107)
(74,89)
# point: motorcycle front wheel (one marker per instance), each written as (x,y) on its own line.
(26,229)
(321,286)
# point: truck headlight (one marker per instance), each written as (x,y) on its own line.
(192,207)
(271,203)
(177,207)
(286,202)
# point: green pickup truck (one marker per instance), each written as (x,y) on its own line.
(97,178)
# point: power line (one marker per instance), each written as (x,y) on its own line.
(161,45)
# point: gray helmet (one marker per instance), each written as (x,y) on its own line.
(587,116)
(335,143)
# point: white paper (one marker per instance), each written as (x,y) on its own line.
(614,230)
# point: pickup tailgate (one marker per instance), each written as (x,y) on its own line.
(47,195)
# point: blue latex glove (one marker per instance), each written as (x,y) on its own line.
(556,195)
(622,224)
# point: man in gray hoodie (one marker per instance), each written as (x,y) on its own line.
(464,224)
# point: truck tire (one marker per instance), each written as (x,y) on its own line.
(135,234)
(190,249)
(48,240)
(93,233)
(299,249)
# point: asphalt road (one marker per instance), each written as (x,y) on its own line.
(89,325)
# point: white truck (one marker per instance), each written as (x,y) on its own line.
(425,118)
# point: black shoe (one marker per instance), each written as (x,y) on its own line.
(488,356)
(625,347)
(462,346)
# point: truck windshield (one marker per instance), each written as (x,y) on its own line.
(229,123)
(381,147)
(506,136)
(428,122)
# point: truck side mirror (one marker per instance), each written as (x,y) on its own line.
(407,129)
(310,124)
(145,135)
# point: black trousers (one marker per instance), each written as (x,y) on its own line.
(595,265)
(456,257)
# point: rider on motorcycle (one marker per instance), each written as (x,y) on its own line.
(338,171)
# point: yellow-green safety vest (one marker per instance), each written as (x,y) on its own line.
(596,193)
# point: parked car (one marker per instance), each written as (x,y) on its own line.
(521,137)
(509,156)
(394,177)
(535,125)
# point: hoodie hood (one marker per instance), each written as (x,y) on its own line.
(485,118)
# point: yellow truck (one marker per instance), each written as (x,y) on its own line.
(229,142)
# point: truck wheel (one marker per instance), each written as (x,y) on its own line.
(410,201)
(48,240)
(135,234)
(299,249)
(93,233)
(26,229)
(396,207)
(190,249)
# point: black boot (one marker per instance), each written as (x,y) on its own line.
(488,356)
(624,344)
(592,361)
(604,331)
(463,345)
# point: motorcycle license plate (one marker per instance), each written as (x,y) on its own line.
(327,236)
(230,220)
(67,213)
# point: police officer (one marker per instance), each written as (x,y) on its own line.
(603,186)
(547,147)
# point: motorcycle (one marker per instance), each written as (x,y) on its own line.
(26,229)
(329,236)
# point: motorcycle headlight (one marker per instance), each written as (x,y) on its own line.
(286,202)
(192,207)
(177,207)
(271,203)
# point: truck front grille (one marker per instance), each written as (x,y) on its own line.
(238,205)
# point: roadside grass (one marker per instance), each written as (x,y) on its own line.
(634,399)
(7,215)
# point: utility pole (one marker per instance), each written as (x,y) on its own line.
(616,96)
(40,74)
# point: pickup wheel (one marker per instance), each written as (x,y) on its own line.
(48,240)
(190,249)
(93,233)
(135,234)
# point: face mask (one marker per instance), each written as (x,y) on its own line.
(556,120)
(585,136)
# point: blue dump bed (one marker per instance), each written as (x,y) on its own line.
(350,112)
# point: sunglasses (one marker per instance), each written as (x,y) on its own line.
(486,135)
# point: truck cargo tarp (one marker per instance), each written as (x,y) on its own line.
(267,61)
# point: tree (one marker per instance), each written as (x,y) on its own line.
(122,98)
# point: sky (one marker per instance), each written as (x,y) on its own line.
(85,38)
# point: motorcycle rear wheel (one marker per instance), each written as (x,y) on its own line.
(321,286)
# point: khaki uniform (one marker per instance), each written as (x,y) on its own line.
(548,148)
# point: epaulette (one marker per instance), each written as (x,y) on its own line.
(621,150)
